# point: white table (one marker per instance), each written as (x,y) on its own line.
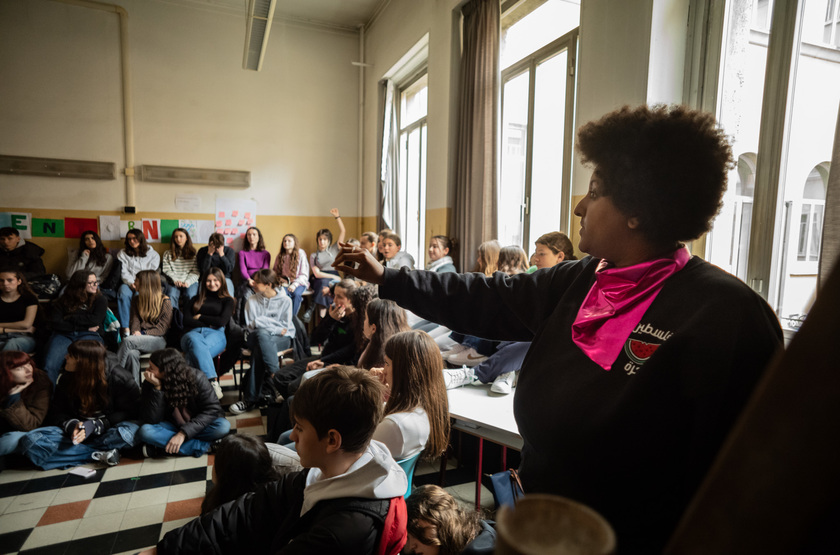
(478,412)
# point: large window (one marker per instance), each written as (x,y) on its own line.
(538,83)
(413,106)
(780,107)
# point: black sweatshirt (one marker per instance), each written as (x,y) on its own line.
(633,442)
(215,312)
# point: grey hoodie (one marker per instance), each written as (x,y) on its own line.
(272,314)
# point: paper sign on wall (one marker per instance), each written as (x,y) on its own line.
(109,228)
(151,229)
(74,227)
(126,225)
(166,229)
(42,227)
(205,230)
(22,222)
(233,217)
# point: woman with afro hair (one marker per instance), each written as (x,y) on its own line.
(642,355)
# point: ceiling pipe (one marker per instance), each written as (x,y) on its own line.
(128,118)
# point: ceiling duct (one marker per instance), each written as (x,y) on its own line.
(258,26)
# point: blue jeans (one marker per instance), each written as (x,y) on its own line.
(264,347)
(57,348)
(17,342)
(174,294)
(200,346)
(10,442)
(297,297)
(192,290)
(51,448)
(159,435)
(124,296)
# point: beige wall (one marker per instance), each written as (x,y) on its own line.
(293,125)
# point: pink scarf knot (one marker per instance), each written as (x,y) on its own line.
(616,303)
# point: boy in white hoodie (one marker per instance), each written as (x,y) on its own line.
(348,500)
(268,318)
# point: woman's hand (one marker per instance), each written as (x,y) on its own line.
(292,287)
(314,365)
(86,253)
(211,249)
(358,262)
(174,445)
(334,212)
(94,329)
(221,250)
(79,434)
(152,379)
(251,282)
(137,333)
(336,312)
(20,387)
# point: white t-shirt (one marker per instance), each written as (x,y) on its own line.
(404,433)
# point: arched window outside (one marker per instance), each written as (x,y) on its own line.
(811,216)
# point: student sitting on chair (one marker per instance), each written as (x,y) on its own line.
(349,499)
(270,330)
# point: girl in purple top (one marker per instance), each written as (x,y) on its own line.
(252,258)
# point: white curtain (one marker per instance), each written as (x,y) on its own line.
(830,250)
(389,169)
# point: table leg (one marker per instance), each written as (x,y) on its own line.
(478,474)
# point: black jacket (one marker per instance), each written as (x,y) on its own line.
(269,521)
(204,407)
(123,395)
(26,258)
(82,319)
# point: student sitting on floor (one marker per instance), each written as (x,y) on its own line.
(181,411)
(437,525)
(349,499)
(242,463)
(25,395)
(90,413)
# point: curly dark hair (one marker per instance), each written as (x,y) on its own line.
(178,383)
(664,165)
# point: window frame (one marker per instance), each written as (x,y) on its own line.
(529,63)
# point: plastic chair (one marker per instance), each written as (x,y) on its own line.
(408,467)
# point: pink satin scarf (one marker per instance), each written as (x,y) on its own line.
(616,303)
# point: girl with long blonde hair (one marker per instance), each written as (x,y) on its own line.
(151,316)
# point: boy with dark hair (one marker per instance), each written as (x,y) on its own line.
(17,254)
(349,499)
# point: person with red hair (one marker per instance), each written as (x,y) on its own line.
(25,393)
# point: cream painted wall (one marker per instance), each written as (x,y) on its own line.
(294,124)
(399,27)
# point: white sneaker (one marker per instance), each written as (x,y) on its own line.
(456,377)
(217,388)
(240,406)
(467,357)
(503,383)
(458,348)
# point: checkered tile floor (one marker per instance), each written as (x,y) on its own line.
(129,507)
